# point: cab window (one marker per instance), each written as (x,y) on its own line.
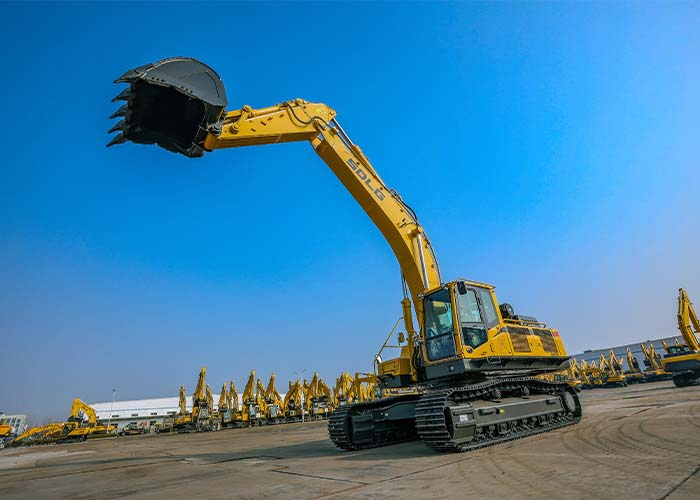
(438,325)
(489,307)
(469,308)
(471,320)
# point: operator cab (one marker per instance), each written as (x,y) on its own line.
(468,307)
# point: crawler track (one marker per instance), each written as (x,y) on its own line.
(346,435)
(431,410)
(432,424)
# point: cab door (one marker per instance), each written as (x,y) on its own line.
(477,314)
(438,317)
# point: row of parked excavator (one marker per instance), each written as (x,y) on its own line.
(260,405)
(609,371)
(681,362)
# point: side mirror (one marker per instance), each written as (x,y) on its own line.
(461,287)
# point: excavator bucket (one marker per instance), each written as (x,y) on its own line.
(173,103)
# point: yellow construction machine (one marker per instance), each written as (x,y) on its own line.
(233,397)
(262,402)
(318,398)
(82,424)
(202,417)
(472,361)
(40,435)
(180,422)
(342,388)
(224,407)
(581,374)
(565,376)
(293,407)
(6,432)
(363,387)
(683,360)
(593,373)
(668,349)
(612,374)
(274,403)
(254,406)
(652,364)
(634,373)
(570,376)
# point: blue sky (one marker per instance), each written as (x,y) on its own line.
(550,149)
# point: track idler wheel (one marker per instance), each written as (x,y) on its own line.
(174,103)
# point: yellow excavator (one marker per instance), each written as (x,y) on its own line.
(652,364)
(317,402)
(593,373)
(224,409)
(40,435)
(634,373)
(273,400)
(342,389)
(202,417)
(262,402)
(82,424)
(182,421)
(293,408)
(6,432)
(580,374)
(254,406)
(683,360)
(668,349)
(363,387)
(228,413)
(471,360)
(233,398)
(612,374)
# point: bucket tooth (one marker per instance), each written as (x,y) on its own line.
(124,95)
(122,125)
(122,111)
(118,139)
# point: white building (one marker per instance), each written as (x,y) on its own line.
(144,412)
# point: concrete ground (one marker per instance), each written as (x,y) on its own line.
(641,442)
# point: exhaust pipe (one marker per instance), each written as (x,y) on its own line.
(174,103)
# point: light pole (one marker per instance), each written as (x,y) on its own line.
(301,392)
(111,408)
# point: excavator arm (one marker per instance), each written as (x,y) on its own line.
(632,362)
(233,398)
(223,399)
(651,357)
(79,407)
(272,395)
(688,323)
(299,120)
(209,399)
(199,396)
(183,401)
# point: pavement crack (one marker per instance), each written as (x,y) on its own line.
(313,476)
(681,483)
